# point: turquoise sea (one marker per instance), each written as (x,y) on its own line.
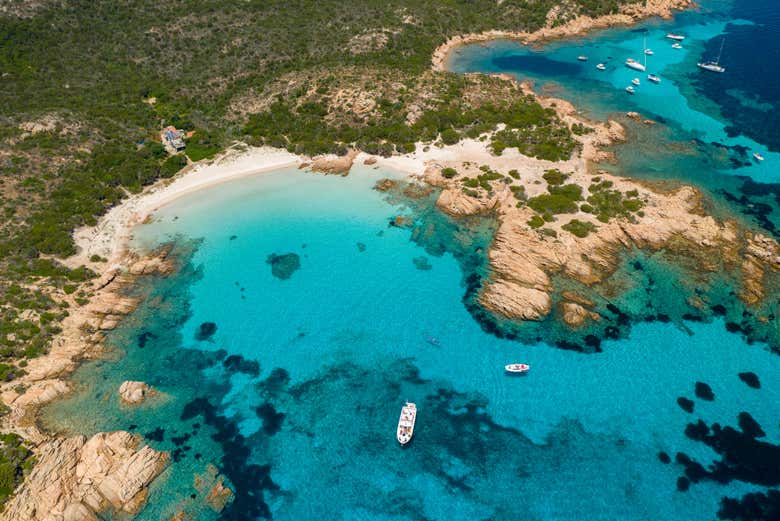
(301,320)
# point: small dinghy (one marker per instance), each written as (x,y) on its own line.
(654,78)
(630,89)
(517,368)
(601,67)
(676,46)
(635,81)
(406,423)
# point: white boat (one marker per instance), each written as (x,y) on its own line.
(630,89)
(633,64)
(677,37)
(582,58)
(601,67)
(654,78)
(714,66)
(406,423)
(676,46)
(517,368)
(649,52)
(635,81)
(758,157)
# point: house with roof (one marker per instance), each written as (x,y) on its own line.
(172,139)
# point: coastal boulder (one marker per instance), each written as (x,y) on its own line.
(133,393)
(76,479)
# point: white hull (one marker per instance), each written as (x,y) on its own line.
(517,368)
(406,423)
(654,78)
(758,157)
(712,67)
(676,37)
(632,64)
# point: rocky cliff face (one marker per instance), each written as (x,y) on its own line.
(76,479)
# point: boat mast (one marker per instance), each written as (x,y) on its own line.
(717,62)
(644,49)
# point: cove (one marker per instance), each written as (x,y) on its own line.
(291,387)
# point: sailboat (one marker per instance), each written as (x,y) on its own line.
(633,64)
(714,66)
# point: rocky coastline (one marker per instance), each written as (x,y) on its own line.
(628,14)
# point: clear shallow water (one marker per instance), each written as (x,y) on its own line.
(295,396)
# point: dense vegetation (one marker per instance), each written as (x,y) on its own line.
(87,85)
(15,463)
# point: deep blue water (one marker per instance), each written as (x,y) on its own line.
(300,321)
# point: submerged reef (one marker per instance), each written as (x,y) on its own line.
(283,265)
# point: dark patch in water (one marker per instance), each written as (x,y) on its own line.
(718,310)
(750,379)
(157,434)
(422,263)
(755,506)
(272,420)
(743,457)
(664,458)
(704,391)
(361,247)
(683,484)
(283,266)
(239,364)
(685,404)
(205,331)
(144,337)
(233,237)
(250,480)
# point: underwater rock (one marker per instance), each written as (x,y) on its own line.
(685,404)
(385,185)
(205,331)
(575,315)
(361,247)
(237,363)
(422,263)
(750,379)
(82,478)
(683,484)
(218,496)
(399,221)
(664,458)
(704,391)
(750,426)
(283,266)
(272,420)
(754,506)
(512,300)
(134,392)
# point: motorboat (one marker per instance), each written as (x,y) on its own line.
(758,157)
(649,52)
(635,81)
(406,423)
(676,46)
(630,89)
(654,78)
(677,37)
(582,58)
(517,368)
(601,67)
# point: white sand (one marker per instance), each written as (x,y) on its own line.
(109,238)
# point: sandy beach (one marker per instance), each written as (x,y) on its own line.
(109,237)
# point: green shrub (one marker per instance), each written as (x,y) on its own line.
(535,222)
(553,204)
(579,228)
(555,177)
(449,172)
(514,174)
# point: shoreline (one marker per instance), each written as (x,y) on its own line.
(48,377)
(628,15)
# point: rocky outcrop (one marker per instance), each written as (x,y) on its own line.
(629,14)
(132,392)
(332,164)
(76,479)
(456,203)
(575,315)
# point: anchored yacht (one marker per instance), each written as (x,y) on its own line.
(677,37)
(517,368)
(406,423)
(714,66)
